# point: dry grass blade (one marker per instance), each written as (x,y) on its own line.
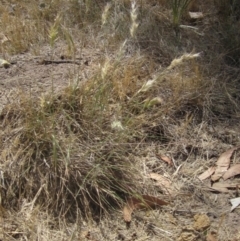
(223,163)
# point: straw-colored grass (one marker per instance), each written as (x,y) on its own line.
(72,155)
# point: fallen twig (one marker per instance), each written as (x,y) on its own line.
(46,62)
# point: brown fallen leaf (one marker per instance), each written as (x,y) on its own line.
(127,211)
(211,236)
(162,182)
(207,173)
(160,178)
(216,189)
(219,187)
(226,185)
(144,201)
(235,202)
(232,171)
(223,164)
(166,159)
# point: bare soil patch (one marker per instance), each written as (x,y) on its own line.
(49,72)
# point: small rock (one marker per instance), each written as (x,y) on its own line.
(202,222)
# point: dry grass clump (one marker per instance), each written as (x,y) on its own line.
(20,21)
(223,99)
(149,25)
(73,152)
(30,223)
(61,158)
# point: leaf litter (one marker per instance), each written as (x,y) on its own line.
(144,201)
(207,173)
(223,164)
(166,159)
(232,171)
(235,203)
(163,182)
(223,171)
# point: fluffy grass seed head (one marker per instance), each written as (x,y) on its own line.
(184,57)
(53,32)
(147,85)
(117,125)
(105,13)
(105,68)
(134,24)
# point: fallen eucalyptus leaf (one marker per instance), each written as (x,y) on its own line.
(223,163)
(235,202)
(166,159)
(232,171)
(143,201)
(207,173)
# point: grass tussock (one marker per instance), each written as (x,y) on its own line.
(74,150)
(74,153)
(64,160)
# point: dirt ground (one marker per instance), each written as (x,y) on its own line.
(32,75)
(193,211)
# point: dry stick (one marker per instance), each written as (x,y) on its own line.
(59,62)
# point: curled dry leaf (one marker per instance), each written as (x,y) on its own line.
(162,182)
(166,159)
(144,201)
(160,178)
(232,171)
(211,236)
(223,164)
(127,211)
(207,173)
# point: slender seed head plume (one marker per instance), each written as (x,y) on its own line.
(134,24)
(105,69)
(105,13)
(184,57)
